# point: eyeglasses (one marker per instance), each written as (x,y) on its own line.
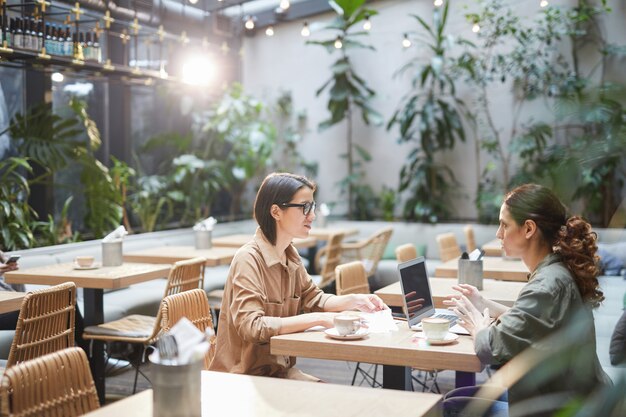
(307,207)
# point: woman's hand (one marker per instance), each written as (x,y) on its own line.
(470,292)
(368,303)
(469,316)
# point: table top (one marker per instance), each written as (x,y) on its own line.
(171,254)
(244,395)
(493,248)
(103,277)
(323,233)
(237,241)
(397,348)
(493,267)
(10,301)
(503,292)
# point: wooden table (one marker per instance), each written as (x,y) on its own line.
(397,351)
(493,267)
(503,292)
(493,248)
(246,396)
(171,254)
(10,301)
(237,241)
(324,233)
(94,281)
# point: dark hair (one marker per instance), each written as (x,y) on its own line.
(570,237)
(276,188)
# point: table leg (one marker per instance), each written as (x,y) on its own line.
(465,379)
(397,377)
(94,314)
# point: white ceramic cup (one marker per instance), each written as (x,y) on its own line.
(347,325)
(84,261)
(435,328)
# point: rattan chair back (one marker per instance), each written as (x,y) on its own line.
(194,305)
(185,275)
(470,240)
(406,252)
(352,279)
(56,384)
(45,323)
(369,251)
(332,254)
(448,247)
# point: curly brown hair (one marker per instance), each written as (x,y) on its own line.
(571,238)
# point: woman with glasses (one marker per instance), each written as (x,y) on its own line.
(268,286)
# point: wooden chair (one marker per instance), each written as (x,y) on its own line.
(368,251)
(193,305)
(142,330)
(56,384)
(45,323)
(406,252)
(448,247)
(352,279)
(470,240)
(331,253)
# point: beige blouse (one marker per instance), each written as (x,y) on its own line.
(258,291)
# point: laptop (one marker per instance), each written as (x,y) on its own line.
(418,299)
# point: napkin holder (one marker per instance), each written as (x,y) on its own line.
(177,389)
(203,239)
(471,272)
(112,253)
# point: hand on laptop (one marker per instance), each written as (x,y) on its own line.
(469,291)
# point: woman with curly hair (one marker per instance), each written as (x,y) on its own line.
(560,253)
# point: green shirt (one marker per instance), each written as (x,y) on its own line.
(546,304)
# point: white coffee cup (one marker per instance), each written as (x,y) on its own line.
(347,325)
(435,328)
(84,261)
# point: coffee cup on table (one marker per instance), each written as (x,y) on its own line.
(84,261)
(435,328)
(347,325)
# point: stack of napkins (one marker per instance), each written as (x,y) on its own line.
(206,224)
(380,321)
(115,235)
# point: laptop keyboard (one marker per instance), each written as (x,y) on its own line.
(453,318)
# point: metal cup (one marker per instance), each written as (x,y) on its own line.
(112,253)
(203,239)
(471,272)
(177,390)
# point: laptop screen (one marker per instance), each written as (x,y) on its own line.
(418,301)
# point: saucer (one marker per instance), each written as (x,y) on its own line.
(84,268)
(360,334)
(450,337)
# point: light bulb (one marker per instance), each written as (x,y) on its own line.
(284,4)
(438,3)
(57,77)
(406,42)
(193,1)
(476,28)
(269,31)
(249,23)
(305,30)
(338,43)
(543,3)
(367,25)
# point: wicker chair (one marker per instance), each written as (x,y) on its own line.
(406,252)
(193,305)
(332,257)
(143,330)
(45,323)
(470,240)
(352,279)
(448,247)
(56,384)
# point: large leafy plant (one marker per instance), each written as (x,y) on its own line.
(348,92)
(577,148)
(431,118)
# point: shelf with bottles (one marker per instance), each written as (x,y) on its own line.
(56,34)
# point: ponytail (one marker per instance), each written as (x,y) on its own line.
(576,244)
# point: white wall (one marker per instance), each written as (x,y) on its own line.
(285,62)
